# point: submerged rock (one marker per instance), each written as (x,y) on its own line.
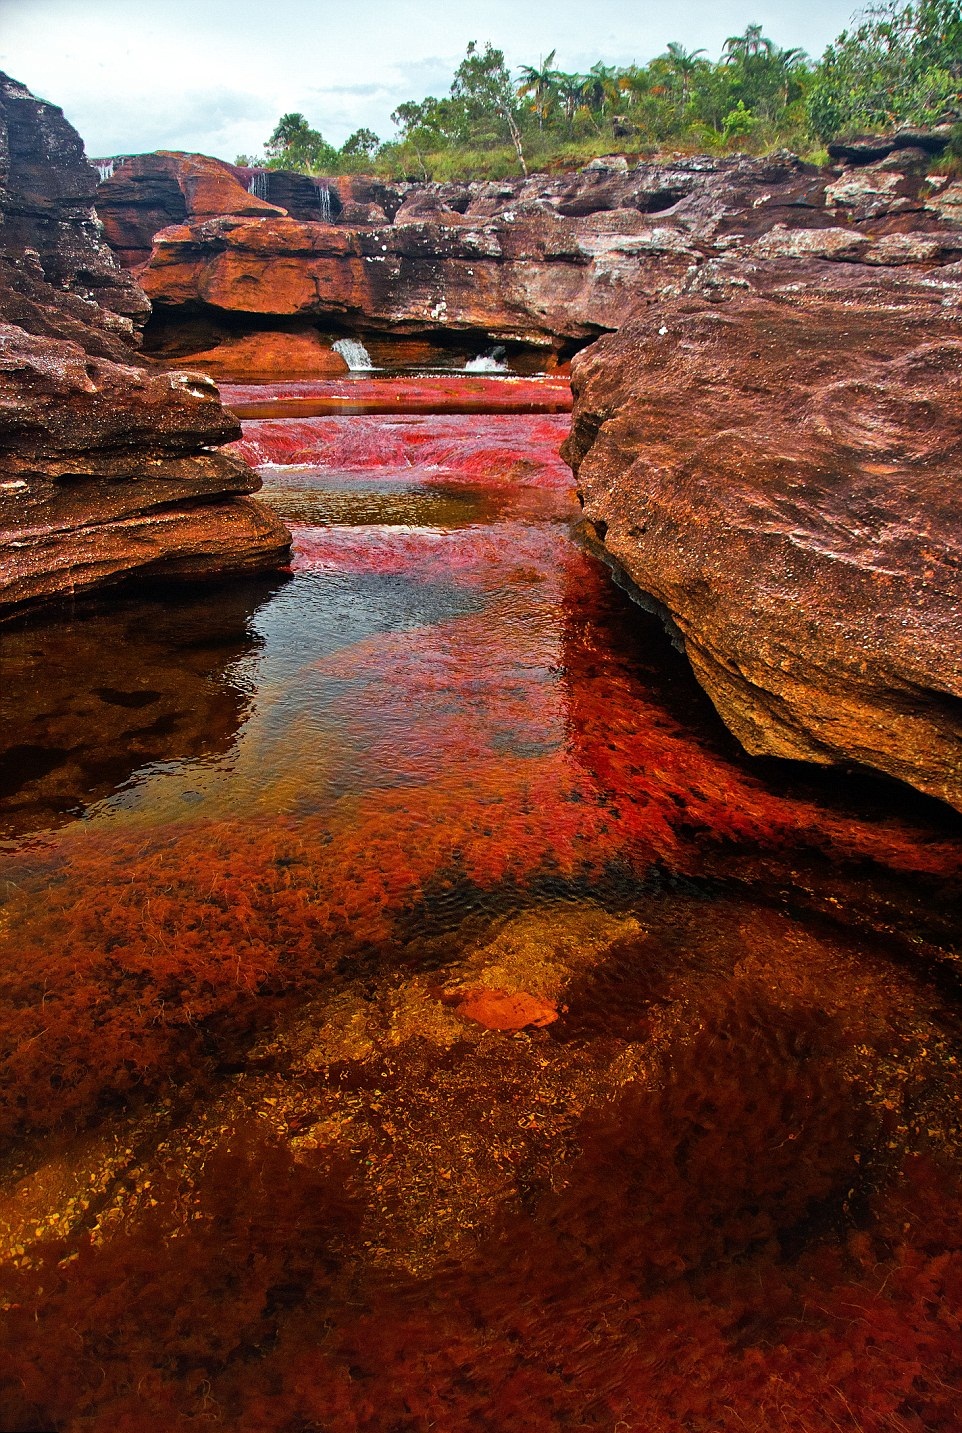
(105,469)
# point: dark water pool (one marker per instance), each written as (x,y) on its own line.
(417,1014)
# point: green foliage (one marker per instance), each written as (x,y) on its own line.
(363,142)
(901,65)
(295,145)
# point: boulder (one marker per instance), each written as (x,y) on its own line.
(105,470)
(780,472)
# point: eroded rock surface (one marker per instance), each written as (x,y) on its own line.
(149,192)
(541,261)
(105,469)
(768,446)
(780,471)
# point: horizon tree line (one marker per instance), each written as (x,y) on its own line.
(901,63)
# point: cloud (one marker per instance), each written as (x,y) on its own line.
(216,77)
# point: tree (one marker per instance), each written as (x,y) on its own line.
(682,65)
(421,124)
(600,86)
(539,81)
(674,75)
(901,65)
(295,145)
(571,92)
(748,46)
(362,144)
(482,85)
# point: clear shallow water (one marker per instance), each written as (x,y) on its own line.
(419,1014)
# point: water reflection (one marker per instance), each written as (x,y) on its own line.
(94,695)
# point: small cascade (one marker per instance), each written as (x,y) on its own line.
(259,186)
(355,355)
(324,204)
(106,168)
(492,362)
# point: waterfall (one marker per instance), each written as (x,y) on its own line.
(259,186)
(355,355)
(492,362)
(107,168)
(324,204)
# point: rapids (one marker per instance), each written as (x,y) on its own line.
(417,1011)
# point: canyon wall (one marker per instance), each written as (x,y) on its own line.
(767,443)
(106,469)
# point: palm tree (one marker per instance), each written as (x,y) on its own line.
(600,85)
(683,64)
(634,83)
(540,81)
(571,92)
(747,46)
(788,62)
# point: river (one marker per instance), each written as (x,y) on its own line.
(418,1013)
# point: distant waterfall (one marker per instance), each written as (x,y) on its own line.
(492,362)
(355,355)
(106,168)
(324,204)
(259,186)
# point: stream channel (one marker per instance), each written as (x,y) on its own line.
(418,1013)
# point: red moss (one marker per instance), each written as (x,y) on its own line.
(720,1253)
(492,451)
(450,393)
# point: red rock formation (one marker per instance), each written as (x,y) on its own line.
(105,470)
(530,262)
(268,354)
(777,430)
(149,192)
(780,471)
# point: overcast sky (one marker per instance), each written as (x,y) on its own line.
(214,76)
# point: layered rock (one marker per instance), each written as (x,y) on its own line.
(150,192)
(105,469)
(775,458)
(550,261)
(537,262)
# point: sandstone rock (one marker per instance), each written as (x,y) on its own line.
(864,149)
(533,260)
(870,192)
(422,275)
(911,248)
(149,192)
(946,202)
(906,161)
(46,202)
(105,469)
(839,244)
(354,214)
(262,356)
(781,474)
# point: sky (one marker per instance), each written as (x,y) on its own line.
(214,76)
